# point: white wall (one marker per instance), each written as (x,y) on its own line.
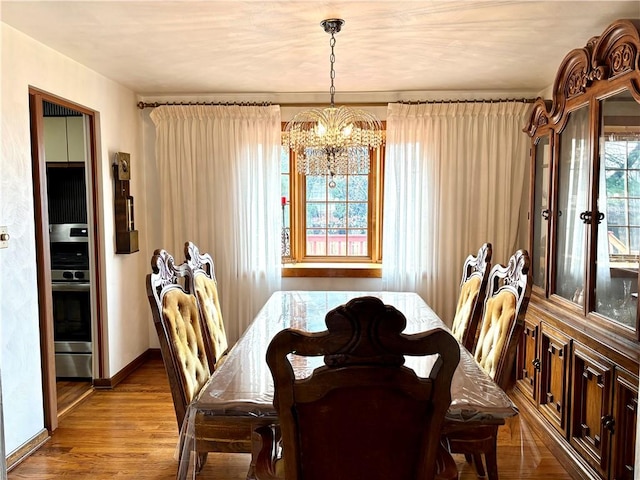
(25,63)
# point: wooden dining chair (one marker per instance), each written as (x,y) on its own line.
(177,322)
(508,293)
(201,281)
(362,414)
(475,273)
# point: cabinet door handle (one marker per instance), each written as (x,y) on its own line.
(609,423)
(536,364)
(586,217)
(545,214)
(600,217)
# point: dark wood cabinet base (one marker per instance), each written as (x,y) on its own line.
(575,465)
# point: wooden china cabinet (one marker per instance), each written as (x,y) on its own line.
(577,369)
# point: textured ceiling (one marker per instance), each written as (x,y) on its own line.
(187,47)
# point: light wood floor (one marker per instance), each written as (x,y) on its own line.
(130,432)
(69,392)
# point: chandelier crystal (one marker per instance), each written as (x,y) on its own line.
(333,141)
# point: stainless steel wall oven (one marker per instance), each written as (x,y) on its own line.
(71,291)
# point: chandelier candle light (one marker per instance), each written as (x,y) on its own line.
(332,141)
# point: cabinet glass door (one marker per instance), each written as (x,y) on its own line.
(540,211)
(618,236)
(573,201)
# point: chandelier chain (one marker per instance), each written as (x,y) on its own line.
(332,74)
(332,141)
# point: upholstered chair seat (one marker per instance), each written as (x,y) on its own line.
(500,314)
(202,282)
(181,319)
(206,291)
(475,272)
(466,303)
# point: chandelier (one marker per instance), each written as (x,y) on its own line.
(332,141)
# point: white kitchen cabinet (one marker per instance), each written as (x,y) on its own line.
(64,139)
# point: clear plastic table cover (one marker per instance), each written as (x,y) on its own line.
(242,386)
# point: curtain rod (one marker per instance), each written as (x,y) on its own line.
(488,100)
(143,105)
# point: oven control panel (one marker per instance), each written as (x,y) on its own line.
(70,275)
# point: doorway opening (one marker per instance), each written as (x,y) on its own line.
(64,152)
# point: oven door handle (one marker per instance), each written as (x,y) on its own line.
(70,287)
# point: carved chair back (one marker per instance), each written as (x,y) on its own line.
(508,293)
(363,414)
(177,322)
(475,273)
(201,281)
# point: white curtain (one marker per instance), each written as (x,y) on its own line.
(219,171)
(454,178)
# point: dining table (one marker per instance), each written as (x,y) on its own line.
(238,397)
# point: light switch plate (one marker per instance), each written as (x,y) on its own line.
(4,237)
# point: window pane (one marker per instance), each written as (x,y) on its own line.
(284,186)
(357,242)
(337,215)
(634,212)
(634,183)
(316,242)
(337,243)
(615,154)
(339,191)
(358,187)
(618,240)
(316,215)
(616,183)
(634,241)
(633,159)
(358,215)
(616,212)
(284,160)
(316,188)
